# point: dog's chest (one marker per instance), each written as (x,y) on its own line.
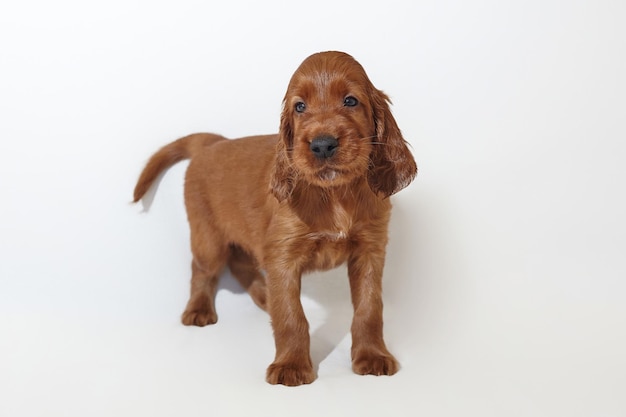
(331,243)
(325,232)
(328,249)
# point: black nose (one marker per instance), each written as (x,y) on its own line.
(324,147)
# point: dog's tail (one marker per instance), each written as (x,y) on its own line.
(183,148)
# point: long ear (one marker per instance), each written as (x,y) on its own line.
(392,165)
(282,180)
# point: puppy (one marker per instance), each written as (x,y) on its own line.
(309,198)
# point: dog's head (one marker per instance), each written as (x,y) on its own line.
(336,127)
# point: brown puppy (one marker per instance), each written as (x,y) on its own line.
(310,198)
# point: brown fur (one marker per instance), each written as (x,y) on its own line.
(267,203)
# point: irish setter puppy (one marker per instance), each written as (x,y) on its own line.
(310,198)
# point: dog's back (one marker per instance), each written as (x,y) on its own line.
(226,181)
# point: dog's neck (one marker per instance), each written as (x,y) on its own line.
(329,209)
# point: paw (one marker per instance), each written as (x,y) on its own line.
(289,374)
(199,317)
(369,363)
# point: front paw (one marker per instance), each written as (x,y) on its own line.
(200,311)
(199,317)
(290,374)
(375,363)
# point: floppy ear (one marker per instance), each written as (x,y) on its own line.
(282,180)
(392,166)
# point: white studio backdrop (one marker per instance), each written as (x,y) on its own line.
(505,287)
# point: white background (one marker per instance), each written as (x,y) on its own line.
(505,281)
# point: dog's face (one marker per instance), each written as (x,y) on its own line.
(336,127)
(328,107)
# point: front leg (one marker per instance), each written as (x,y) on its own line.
(369,353)
(292,365)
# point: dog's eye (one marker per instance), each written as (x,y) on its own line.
(350,101)
(300,107)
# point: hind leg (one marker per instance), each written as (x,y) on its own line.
(244,267)
(209,258)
